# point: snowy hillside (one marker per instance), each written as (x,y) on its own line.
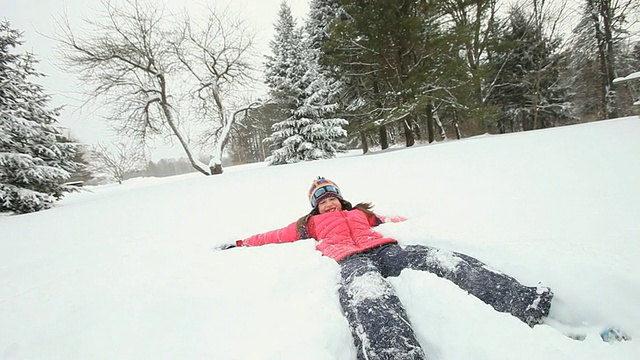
(127,272)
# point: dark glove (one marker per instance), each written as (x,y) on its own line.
(228,246)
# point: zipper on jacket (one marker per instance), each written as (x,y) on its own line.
(353,238)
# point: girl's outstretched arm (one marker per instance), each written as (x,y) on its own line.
(283,235)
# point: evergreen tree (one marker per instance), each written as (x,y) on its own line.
(472,32)
(635,56)
(82,172)
(317,111)
(309,132)
(284,72)
(393,62)
(628,62)
(528,86)
(363,48)
(322,16)
(321,90)
(35,157)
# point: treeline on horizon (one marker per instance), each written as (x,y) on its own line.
(407,71)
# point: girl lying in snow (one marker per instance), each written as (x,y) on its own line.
(377,318)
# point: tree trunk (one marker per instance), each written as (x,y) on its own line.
(167,113)
(363,138)
(443,131)
(408,131)
(524,118)
(535,110)
(417,130)
(606,55)
(608,18)
(216,169)
(384,138)
(365,143)
(430,123)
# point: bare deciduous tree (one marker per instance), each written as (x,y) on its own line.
(117,162)
(132,57)
(218,60)
(547,19)
(603,27)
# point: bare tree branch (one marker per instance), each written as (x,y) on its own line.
(116,162)
(140,64)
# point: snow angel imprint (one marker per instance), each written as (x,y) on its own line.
(378,320)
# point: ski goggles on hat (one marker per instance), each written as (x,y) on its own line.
(322,192)
(325,189)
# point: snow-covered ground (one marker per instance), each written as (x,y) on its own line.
(128,272)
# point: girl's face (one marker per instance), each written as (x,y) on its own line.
(329,204)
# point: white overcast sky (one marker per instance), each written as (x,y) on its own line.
(36,19)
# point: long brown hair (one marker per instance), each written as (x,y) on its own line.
(365,207)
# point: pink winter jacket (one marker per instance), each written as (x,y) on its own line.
(338,234)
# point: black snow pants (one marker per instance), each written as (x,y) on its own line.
(378,320)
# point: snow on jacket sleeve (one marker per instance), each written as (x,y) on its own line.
(284,235)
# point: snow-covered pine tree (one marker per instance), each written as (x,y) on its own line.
(35,156)
(297,86)
(528,87)
(321,90)
(322,15)
(322,129)
(284,70)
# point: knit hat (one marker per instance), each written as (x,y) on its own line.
(321,189)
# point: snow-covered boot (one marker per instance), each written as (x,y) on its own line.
(614,334)
(539,308)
